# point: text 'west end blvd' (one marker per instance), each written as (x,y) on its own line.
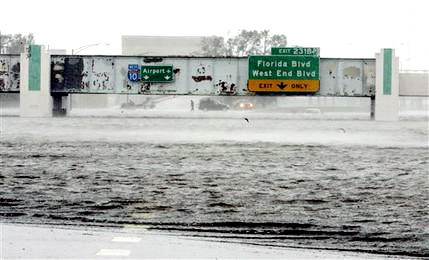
(283,73)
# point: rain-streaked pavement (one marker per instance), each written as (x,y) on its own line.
(348,185)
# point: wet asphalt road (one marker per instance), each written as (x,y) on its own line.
(353,197)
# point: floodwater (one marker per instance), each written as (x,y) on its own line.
(354,185)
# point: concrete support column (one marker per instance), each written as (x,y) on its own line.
(35,83)
(387,86)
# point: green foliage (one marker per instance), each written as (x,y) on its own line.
(245,43)
(213,46)
(15,44)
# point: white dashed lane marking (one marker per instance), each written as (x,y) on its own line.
(114,252)
(127,239)
(119,252)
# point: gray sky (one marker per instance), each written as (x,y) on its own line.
(341,28)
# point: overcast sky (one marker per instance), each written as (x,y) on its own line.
(341,28)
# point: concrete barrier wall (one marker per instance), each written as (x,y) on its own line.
(347,77)
(414,83)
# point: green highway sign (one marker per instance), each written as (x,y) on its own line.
(157,73)
(298,51)
(284,67)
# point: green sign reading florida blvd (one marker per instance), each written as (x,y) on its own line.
(284,67)
(162,73)
(298,51)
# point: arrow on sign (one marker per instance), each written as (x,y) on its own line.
(167,77)
(281,85)
(146,77)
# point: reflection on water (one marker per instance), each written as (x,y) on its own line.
(349,194)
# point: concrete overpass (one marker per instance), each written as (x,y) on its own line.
(45,81)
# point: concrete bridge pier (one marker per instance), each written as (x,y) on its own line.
(35,87)
(60,104)
(387,86)
(36,99)
(372,112)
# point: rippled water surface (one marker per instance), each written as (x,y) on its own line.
(356,185)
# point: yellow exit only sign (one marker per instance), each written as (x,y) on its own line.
(284,85)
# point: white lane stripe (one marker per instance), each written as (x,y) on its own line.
(114,252)
(135,227)
(127,239)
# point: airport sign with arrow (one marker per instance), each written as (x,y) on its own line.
(157,73)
